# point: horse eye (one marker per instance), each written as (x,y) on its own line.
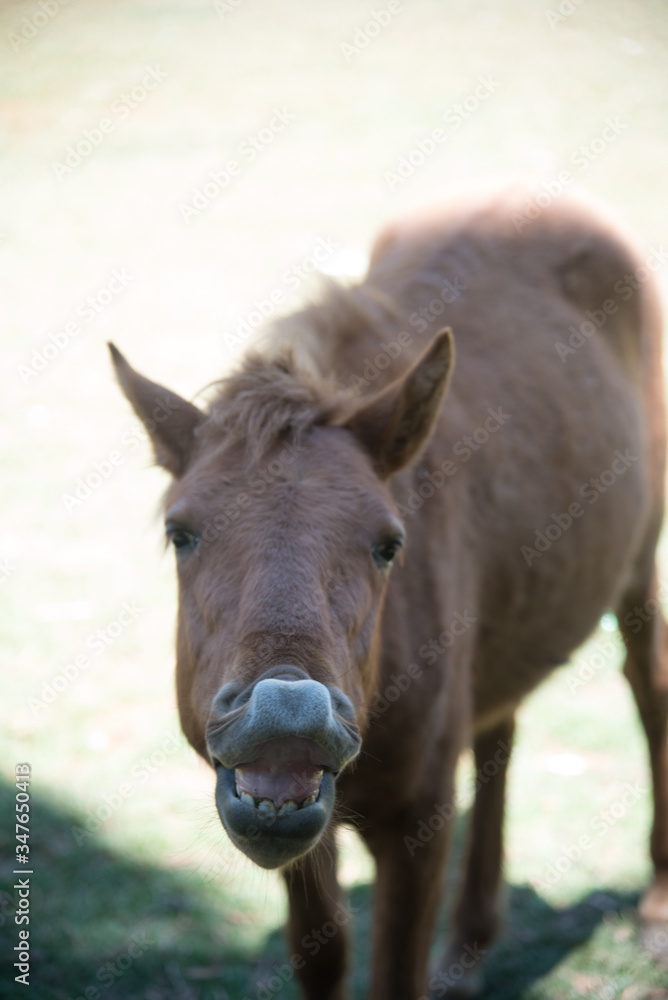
(182,540)
(384,552)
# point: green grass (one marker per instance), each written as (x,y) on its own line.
(159,864)
(156,869)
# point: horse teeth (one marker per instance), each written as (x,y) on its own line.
(310,800)
(266,807)
(288,807)
(248,799)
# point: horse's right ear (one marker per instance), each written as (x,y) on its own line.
(394,426)
(170,420)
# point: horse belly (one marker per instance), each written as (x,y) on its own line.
(569,543)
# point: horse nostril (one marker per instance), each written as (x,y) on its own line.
(283,704)
(305,706)
(235,694)
(342,705)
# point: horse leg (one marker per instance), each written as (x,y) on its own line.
(410,847)
(317,923)
(646,636)
(476,914)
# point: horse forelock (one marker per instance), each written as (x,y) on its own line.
(268,401)
(294,381)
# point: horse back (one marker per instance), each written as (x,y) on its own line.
(550,448)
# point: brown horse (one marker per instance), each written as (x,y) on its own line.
(520,497)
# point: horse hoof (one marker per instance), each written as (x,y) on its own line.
(653,907)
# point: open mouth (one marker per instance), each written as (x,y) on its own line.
(283,776)
(276,804)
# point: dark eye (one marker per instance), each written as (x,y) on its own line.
(384,551)
(184,541)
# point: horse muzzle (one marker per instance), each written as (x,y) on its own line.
(277,747)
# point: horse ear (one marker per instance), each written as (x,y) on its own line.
(395,425)
(170,420)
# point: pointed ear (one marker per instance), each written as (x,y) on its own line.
(170,420)
(395,425)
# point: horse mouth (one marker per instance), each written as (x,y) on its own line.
(277,748)
(283,776)
(276,804)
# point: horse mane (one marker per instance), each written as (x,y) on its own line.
(268,400)
(293,380)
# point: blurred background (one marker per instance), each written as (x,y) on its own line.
(173,171)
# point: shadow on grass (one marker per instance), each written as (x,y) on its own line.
(535,940)
(537,937)
(106,927)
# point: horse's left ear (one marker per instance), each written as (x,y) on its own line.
(395,425)
(170,420)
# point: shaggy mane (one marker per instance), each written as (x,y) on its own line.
(281,389)
(268,400)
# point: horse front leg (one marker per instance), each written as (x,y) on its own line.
(317,923)
(411,849)
(476,915)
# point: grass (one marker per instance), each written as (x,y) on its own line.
(150,866)
(151,861)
